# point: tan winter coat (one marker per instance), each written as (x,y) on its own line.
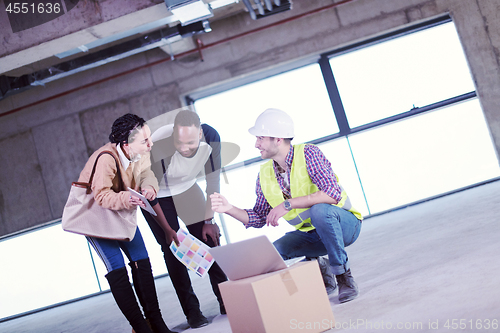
(105,184)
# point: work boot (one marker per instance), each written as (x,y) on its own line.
(326,273)
(348,289)
(125,299)
(196,319)
(145,289)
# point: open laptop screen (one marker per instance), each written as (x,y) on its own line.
(247,258)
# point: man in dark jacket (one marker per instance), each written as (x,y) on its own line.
(183,152)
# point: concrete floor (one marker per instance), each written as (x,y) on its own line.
(418,268)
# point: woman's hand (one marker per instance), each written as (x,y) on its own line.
(149,194)
(137,202)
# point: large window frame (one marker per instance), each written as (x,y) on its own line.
(323,60)
(334,93)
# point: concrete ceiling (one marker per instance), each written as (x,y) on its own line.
(49,44)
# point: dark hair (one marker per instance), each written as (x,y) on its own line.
(187,118)
(125,128)
(287,140)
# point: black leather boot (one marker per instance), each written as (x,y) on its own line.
(348,289)
(125,299)
(145,289)
(327,275)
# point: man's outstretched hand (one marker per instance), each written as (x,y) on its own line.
(219,203)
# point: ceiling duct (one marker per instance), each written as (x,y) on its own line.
(189,11)
(12,85)
(262,8)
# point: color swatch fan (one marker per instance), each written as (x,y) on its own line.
(192,253)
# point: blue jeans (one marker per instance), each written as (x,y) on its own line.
(110,250)
(336,229)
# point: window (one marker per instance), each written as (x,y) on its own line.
(424,155)
(395,76)
(300,92)
(48,266)
(414,126)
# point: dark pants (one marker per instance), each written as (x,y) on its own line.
(177,271)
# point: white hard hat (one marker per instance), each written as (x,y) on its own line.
(274,123)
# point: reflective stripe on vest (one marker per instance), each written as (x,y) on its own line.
(300,185)
(305,215)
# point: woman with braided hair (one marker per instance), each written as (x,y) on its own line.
(130,144)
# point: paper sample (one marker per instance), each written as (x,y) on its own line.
(194,254)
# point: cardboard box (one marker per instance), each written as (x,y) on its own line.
(289,300)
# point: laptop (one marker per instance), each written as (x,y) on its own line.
(250,257)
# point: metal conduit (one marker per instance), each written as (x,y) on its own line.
(195,50)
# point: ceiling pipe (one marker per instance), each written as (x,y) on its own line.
(195,50)
(159,38)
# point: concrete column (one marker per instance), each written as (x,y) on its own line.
(478,26)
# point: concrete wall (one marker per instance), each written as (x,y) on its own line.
(44,147)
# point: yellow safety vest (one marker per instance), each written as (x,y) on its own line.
(300,185)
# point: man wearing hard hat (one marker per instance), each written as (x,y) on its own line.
(298,184)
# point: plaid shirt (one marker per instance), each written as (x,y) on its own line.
(319,170)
